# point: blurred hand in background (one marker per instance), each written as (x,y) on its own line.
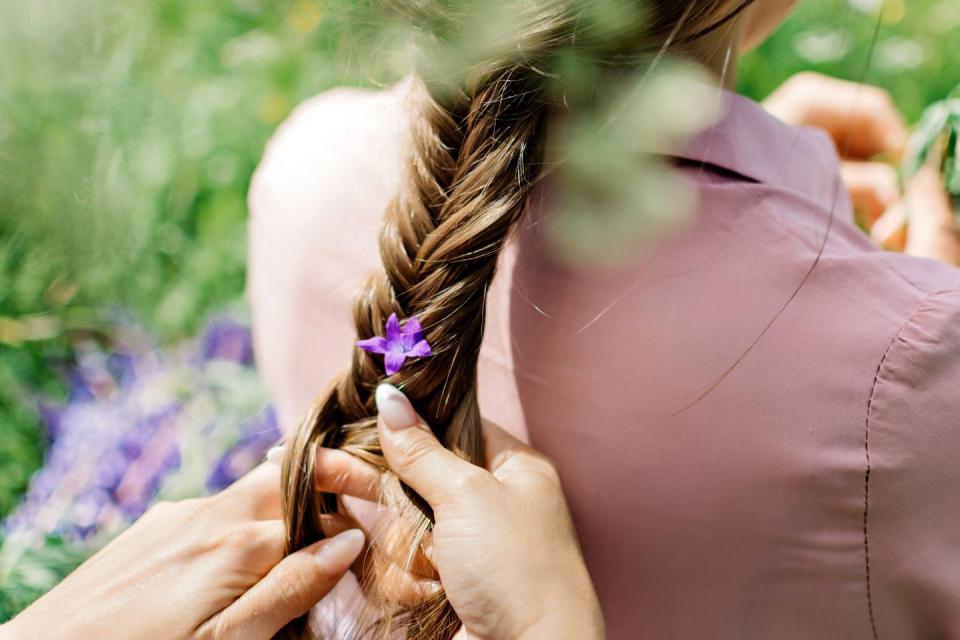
(871,137)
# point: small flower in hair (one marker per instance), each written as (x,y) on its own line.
(401,343)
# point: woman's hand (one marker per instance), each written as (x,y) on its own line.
(210,568)
(503,544)
(865,125)
(923,222)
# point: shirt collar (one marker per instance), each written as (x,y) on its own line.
(748,141)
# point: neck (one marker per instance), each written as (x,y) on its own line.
(719,53)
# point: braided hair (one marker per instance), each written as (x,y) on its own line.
(477,150)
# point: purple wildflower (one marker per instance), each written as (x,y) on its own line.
(227,339)
(140,422)
(259,434)
(399,344)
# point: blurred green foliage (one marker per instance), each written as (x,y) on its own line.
(129,132)
(916,56)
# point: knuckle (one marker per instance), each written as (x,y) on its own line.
(543,476)
(417,451)
(240,539)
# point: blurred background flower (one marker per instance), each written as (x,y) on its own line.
(128,135)
(138,424)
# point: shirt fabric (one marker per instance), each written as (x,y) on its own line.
(757,430)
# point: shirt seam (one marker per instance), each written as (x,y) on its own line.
(897,338)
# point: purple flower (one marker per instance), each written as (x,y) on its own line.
(227,339)
(401,343)
(259,434)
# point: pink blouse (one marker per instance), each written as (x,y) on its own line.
(752,446)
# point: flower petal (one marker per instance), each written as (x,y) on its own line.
(392,362)
(420,350)
(412,332)
(376,344)
(393,329)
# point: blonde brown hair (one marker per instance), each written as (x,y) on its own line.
(477,149)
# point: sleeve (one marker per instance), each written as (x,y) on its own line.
(912,483)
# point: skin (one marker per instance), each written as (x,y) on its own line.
(540,590)
(869,132)
(762,18)
(870,135)
(207,568)
(217,562)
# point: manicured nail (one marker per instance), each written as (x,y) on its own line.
(336,554)
(394,408)
(275,455)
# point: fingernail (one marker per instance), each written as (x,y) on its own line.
(394,408)
(275,455)
(336,554)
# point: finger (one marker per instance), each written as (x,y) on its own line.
(256,546)
(872,126)
(931,231)
(291,588)
(415,454)
(874,187)
(890,230)
(341,473)
(862,120)
(406,586)
(508,458)
(334,524)
(499,446)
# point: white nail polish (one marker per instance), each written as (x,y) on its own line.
(394,408)
(338,553)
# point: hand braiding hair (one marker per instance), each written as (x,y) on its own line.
(477,149)
(472,165)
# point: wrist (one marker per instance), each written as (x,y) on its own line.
(572,612)
(582,621)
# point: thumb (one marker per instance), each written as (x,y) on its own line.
(291,588)
(414,453)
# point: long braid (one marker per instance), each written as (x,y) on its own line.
(477,149)
(475,156)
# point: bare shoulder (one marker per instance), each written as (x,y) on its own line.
(342,142)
